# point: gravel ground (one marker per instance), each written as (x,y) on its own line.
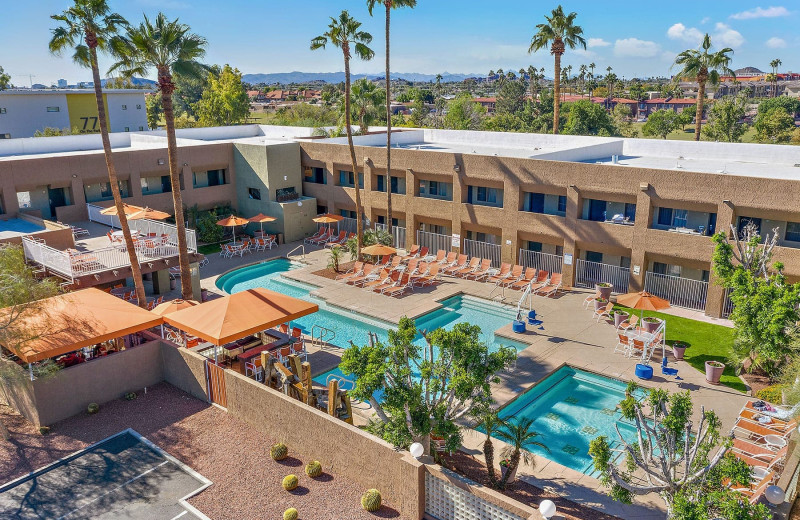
(247,482)
(475,469)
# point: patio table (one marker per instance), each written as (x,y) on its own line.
(254,352)
(118,234)
(121,292)
(775,441)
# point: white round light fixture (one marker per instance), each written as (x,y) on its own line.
(774,495)
(547,508)
(416,450)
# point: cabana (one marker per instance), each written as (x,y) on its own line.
(69,322)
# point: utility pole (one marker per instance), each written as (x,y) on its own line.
(29,76)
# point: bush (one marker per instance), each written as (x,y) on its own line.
(279,451)
(314,469)
(207,229)
(290,514)
(371,500)
(44,430)
(772,394)
(93,408)
(130,396)
(290,482)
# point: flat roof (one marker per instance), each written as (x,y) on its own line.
(51,91)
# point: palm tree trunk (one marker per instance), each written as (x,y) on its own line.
(512,468)
(388,127)
(701,97)
(167,87)
(488,455)
(359,223)
(556,92)
(136,271)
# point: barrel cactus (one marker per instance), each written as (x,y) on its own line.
(93,408)
(290,482)
(314,469)
(279,451)
(371,500)
(290,514)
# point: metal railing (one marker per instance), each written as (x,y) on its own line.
(483,250)
(302,247)
(58,262)
(543,261)
(681,292)
(144,226)
(587,274)
(321,336)
(99,260)
(398,234)
(727,304)
(348,224)
(434,241)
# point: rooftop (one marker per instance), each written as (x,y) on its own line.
(58,91)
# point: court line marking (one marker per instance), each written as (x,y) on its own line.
(180,515)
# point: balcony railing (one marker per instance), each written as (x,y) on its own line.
(434,241)
(542,261)
(482,250)
(681,292)
(587,274)
(144,227)
(398,235)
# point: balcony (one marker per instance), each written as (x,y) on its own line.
(609,212)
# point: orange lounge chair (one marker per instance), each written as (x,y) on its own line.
(401,288)
(552,288)
(472,266)
(318,234)
(412,253)
(756,431)
(756,491)
(502,275)
(412,266)
(527,278)
(430,278)
(365,273)
(459,264)
(481,272)
(378,285)
(449,260)
(514,277)
(338,240)
(440,256)
(357,268)
(542,279)
(782,427)
(322,239)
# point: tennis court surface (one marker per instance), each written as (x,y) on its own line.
(124,476)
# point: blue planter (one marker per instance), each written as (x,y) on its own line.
(644,371)
(519,327)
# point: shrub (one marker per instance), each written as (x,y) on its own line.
(93,408)
(371,500)
(44,430)
(771,394)
(290,482)
(207,229)
(279,451)
(314,469)
(130,396)
(290,514)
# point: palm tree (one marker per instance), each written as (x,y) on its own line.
(533,79)
(704,66)
(87,26)
(491,423)
(519,435)
(591,67)
(775,64)
(582,77)
(366,98)
(346,34)
(389,5)
(489,76)
(172,50)
(558,33)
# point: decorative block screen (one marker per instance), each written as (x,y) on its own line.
(446,501)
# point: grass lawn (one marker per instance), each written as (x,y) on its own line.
(209,249)
(688,134)
(706,342)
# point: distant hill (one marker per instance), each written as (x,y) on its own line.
(337,77)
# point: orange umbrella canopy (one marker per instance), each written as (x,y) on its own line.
(128,208)
(378,250)
(643,301)
(239,315)
(149,213)
(233,221)
(261,218)
(173,306)
(327,218)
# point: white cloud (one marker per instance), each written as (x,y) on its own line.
(705,20)
(683,33)
(724,35)
(636,48)
(760,12)
(776,43)
(597,42)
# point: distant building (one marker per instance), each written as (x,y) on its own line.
(62,83)
(256,95)
(278,96)
(24,111)
(488,103)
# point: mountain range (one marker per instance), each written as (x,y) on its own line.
(337,77)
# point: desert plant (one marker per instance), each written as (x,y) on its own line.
(93,408)
(44,430)
(130,396)
(520,437)
(290,514)
(772,393)
(371,500)
(334,257)
(279,451)
(314,469)
(290,482)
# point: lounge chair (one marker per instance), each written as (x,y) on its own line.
(396,261)
(502,274)
(515,276)
(758,432)
(430,278)
(449,260)
(756,491)
(629,324)
(774,424)
(357,268)
(322,239)
(542,280)
(781,412)
(319,233)
(552,288)
(76,231)
(401,288)
(472,266)
(338,240)
(384,261)
(440,256)
(383,282)
(460,262)
(759,455)
(604,312)
(482,271)
(365,274)
(412,253)
(623,344)
(411,268)
(527,278)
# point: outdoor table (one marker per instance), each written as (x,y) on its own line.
(121,292)
(118,234)
(644,336)
(775,441)
(254,352)
(429,258)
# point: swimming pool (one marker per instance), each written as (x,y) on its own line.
(571,408)
(16,226)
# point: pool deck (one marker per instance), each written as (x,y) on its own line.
(569,336)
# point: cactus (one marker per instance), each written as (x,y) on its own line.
(93,408)
(44,430)
(314,469)
(290,482)
(279,451)
(371,500)
(130,396)
(290,514)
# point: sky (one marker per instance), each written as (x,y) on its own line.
(459,36)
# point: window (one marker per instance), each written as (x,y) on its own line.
(347,213)
(435,190)
(286,194)
(792,232)
(535,246)
(398,185)
(2,110)
(744,221)
(105,189)
(315,175)
(127,129)
(124,107)
(254,193)
(54,109)
(347,179)
(138,107)
(24,199)
(562,203)
(594,256)
(380,185)
(597,210)
(630,211)
(667,269)
(679,218)
(535,203)
(664,216)
(141,128)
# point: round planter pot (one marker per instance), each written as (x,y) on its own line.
(650,326)
(714,373)
(678,351)
(598,304)
(604,292)
(503,470)
(619,317)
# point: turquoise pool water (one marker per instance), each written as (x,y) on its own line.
(571,408)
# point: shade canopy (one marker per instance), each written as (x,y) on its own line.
(378,250)
(128,208)
(239,315)
(174,305)
(261,218)
(233,221)
(643,301)
(71,321)
(149,213)
(327,218)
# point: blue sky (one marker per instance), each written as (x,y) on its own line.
(635,38)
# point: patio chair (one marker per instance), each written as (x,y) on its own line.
(590,299)
(319,233)
(402,286)
(460,262)
(515,276)
(502,274)
(412,253)
(623,344)
(482,271)
(527,278)
(629,324)
(449,260)
(389,280)
(77,231)
(473,265)
(770,422)
(781,412)
(759,455)
(637,347)
(756,491)
(412,266)
(253,370)
(299,350)
(338,240)
(366,274)
(552,288)
(284,328)
(440,256)
(357,268)
(322,239)
(542,280)
(283,355)
(759,433)
(604,312)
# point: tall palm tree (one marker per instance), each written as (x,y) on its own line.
(172,50)
(582,77)
(491,423)
(346,34)
(775,64)
(519,435)
(533,79)
(489,76)
(591,68)
(366,98)
(389,5)
(86,27)
(703,66)
(558,33)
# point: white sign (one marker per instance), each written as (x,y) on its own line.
(508,242)
(636,269)
(456,240)
(568,259)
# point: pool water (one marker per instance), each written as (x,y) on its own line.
(571,408)
(16,226)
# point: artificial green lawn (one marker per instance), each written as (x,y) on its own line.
(209,249)
(706,342)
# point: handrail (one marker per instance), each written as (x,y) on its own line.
(340,379)
(321,335)
(525,294)
(301,246)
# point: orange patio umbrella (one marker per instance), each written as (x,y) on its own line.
(644,301)
(128,208)
(328,218)
(261,218)
(378,250)
(148,213)
(172,306)
(232,222)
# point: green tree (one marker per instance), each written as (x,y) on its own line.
(622,119)
(463,113)
(426,387)
(685,117)
(775,126)
(660,123)
(558,33)
(371,237)
(789,104)
(510,98)
(367,100)
(5,79)
(189,90)
(703,66)
(154,110)
(224,100)
(519,436)
(587,118)
(725,120)
(418,113)
(87,27)
(342,33)
(172,50)
(49,131)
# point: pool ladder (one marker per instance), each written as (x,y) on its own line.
(320,336)
(302,247)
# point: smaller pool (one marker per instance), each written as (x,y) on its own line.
(16,226)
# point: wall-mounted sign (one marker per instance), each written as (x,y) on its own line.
(456,240)
(508,242)
(636,270)
(568,259)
